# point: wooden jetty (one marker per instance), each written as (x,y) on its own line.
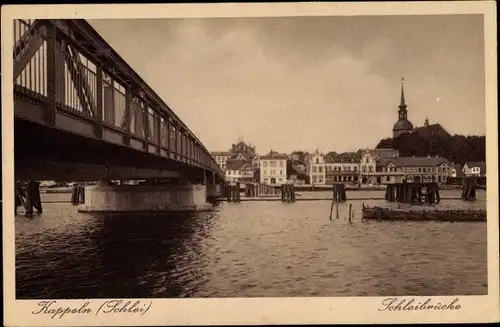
(29,197)
(379,213)
(339,194)
(414,193)
(469,186)
(287,193)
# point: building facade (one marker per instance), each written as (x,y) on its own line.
(273,168)
(342,168)
(316,168)
(239,171)
(414,170)
(476,168)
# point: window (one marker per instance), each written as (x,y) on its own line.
(320,169)
(314,169)
(388,178)
(370,169)
(281,172)
(264,163)
(273,172)
(317,160)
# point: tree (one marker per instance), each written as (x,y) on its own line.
(457,148)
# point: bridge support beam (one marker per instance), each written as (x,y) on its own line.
(178,197)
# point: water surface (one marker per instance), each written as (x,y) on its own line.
(247,249)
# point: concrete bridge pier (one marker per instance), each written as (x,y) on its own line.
(215,188)
(179,196)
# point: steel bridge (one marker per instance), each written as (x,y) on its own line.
(82,113)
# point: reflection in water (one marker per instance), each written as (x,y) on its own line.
(246,249)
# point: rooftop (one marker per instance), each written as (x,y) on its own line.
(413,161)
(236,164)
(480,164)
(274,155)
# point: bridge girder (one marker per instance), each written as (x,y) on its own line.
(67,42)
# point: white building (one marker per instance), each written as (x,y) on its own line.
(273,168)
(316,168)
(477,168)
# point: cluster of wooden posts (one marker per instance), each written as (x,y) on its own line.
(339,196)
(233,192)
(251,190)
(413,193)
(29,197)
(288,193)
(78,194)
(258,189)
(469,189)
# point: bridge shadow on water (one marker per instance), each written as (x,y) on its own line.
(123,256)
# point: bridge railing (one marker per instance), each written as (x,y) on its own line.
(66,66)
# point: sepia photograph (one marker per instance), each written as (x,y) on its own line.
(233,157)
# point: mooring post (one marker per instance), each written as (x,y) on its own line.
(238,192)
(29,199)
(350,212)
(36,197)
(337,210)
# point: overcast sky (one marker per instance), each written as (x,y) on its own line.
(331,83)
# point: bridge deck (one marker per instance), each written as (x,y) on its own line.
(75,97)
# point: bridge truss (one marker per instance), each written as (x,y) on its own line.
(67,70)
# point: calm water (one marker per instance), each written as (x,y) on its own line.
(256,249)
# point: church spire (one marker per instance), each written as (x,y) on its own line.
(402,104)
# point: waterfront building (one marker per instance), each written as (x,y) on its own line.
(316,168)
(413,169)
(475,168)
(273,170)
(403,125)
(342,168)
(239,171)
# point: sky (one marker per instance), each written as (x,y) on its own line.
(303,83)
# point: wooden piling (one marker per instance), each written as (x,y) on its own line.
(350,213)
(29,201)
(238,192)
(331,210)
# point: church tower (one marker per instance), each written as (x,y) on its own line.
(403,125)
